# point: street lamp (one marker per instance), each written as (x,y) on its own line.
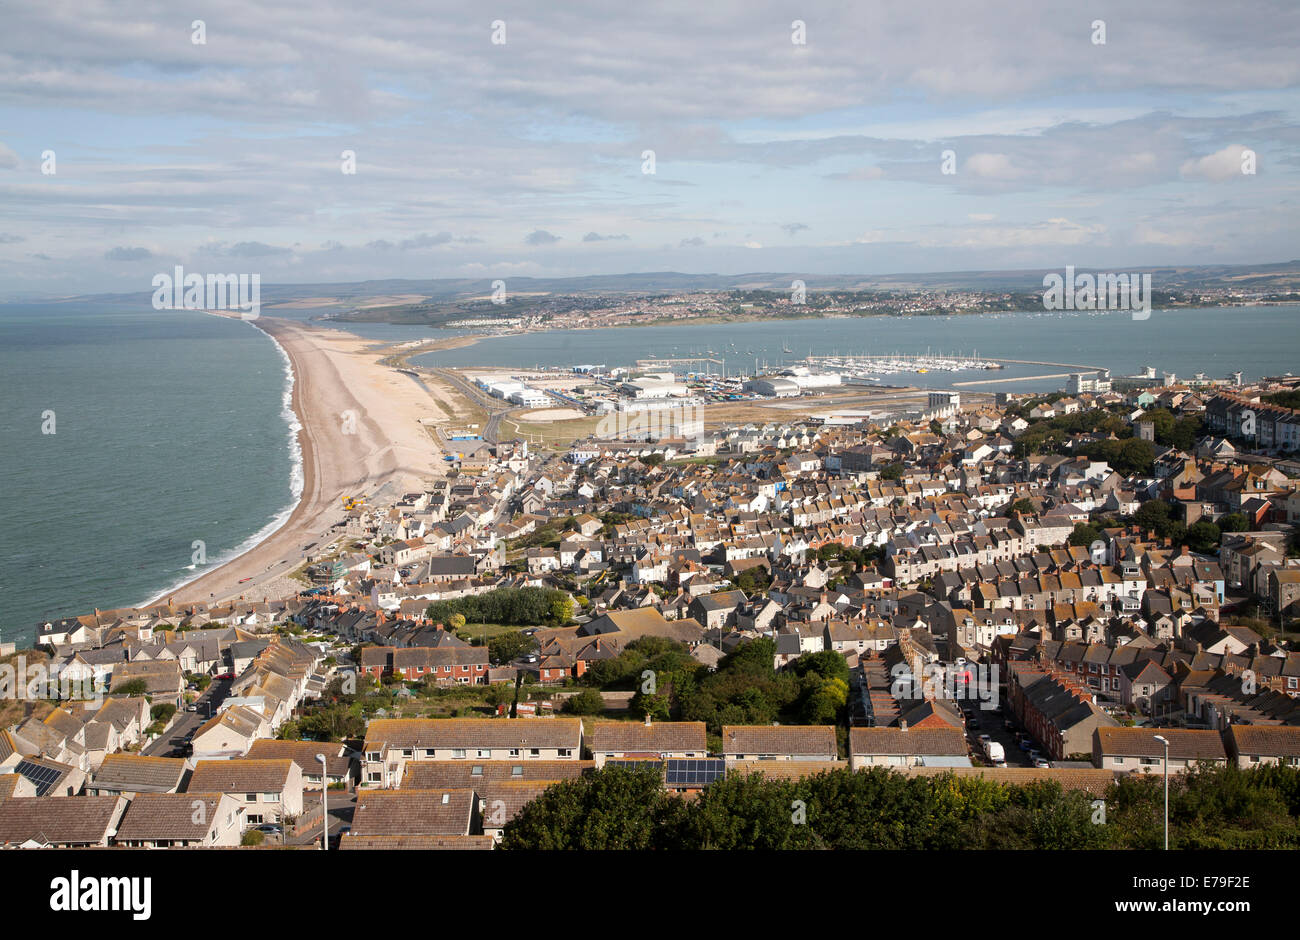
(1165,741)
(325,805)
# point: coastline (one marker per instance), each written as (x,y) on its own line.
(359,430)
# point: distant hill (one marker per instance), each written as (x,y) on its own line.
(1279,276)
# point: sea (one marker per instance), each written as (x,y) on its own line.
(131,439)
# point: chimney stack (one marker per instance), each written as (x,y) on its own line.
(647,720)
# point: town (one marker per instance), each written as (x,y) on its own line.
(1087,591)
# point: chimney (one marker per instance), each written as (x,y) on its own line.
(647,720)
(902,726)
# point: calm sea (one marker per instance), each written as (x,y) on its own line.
(170,427)
(1256,340)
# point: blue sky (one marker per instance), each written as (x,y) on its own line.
(483,159)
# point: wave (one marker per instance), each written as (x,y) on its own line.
(297,482)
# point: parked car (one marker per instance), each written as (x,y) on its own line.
(985,738)
(1042,762)
(270,828)
(1026,744)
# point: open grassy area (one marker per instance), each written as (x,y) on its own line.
(553,434)
(475,632)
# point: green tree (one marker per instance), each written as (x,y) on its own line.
(586,702)
(1084,534)
(1233,522)
(132,687)
(507,647)
(1203,536)
(614,808)
(892,471)
(653,705)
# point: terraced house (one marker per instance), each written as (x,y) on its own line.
(779,742)
(626,740)
(392,742)
(445,665)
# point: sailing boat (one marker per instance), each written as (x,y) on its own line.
(785,347)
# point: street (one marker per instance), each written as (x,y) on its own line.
(173,742)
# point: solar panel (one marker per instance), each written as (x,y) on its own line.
(42,777)
(687,772)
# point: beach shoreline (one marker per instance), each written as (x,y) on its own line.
(360,430)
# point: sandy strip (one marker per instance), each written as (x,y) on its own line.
(360,430)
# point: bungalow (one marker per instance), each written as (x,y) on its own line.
(404,813)
(1136,750)
(779,742)
(130,774)
(1254,745)
(907,747)
(621,740)
(181,820)
(62,822)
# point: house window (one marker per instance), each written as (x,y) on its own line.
(429,752)
(458,753)
(1149,761)
(272,798)
(517,770)
(485,753)
(407,752)
(373,756)
(250,797)
(514,752)
(476,770)
(1117,761)
(565,752)
(534,752)
(375,776)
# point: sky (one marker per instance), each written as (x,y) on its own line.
(506,139)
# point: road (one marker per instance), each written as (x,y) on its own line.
(172,744)
(989,722)
(342,807)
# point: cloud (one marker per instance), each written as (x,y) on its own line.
(794,228)
(541,237)
(123,253)
(425,241)
(8,159)
(11,239)
(694,242)
(861,174)
(993,166)
(1221,165)
(249,249)
(596,237)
